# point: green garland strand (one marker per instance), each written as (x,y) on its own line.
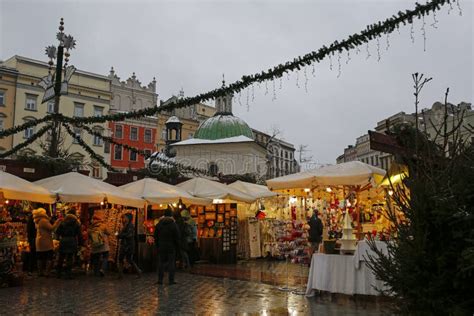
(353,41)
(89,150)
(27,142)
(143,153)
(22,127)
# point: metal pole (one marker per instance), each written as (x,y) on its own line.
(55,132)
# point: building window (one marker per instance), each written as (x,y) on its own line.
(376,160)
(96,171)
(372,160)
(213,168)
(148,136)
(106,147)
(98,110)
(1,124)
(118,131)
(50,107)
(291,156)
(286,155)
(133,155)
(133,133)
(98,140)
(164,134)
(2,97)
(77,132)
(31,102)
(118,152)
(147,153)
(78,110)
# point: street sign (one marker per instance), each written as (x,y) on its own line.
(386,143)
(47,84)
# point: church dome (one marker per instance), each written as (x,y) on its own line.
(223,125)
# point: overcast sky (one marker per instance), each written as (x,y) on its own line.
(189,44)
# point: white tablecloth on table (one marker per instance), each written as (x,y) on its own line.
(337,274)
(363,251)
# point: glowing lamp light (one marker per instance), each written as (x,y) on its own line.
(293,200)
(7,201)
(161,205)
(328,189)
(348,203)
(390,192)
(307,190)
(174,204)
(217,201)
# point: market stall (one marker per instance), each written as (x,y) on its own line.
(16,196)
(218,223)
(351,205)
(88,196)
(157,196)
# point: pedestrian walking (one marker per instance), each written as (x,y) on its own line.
(99,244)
(44,241)
(184,232)
(191,236)
(31,236)
(315,231)
(70,237)
(127,245)
(167,242)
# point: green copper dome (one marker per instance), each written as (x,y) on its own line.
(223,125)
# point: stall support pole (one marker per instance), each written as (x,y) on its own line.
(359,228)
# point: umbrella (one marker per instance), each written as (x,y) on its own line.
(208,189)
(76,187)
(156,192)
(16,188)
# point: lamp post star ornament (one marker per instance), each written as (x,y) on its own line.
(54,84)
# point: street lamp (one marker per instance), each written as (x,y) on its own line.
(55,85)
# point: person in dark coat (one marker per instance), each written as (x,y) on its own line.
(184,233)
(69,234)
(31,236)
(167,241)
(315,232)
(127,245)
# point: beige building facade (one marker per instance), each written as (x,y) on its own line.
(89,94)
(8,79)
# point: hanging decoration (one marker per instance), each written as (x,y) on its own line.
(354,41)
(27,142)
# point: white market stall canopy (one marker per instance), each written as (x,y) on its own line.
(75,187)
(16,188)
(353,173)
(208,189)
(255,190)
(156,192)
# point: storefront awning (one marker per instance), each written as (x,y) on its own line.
(255,190)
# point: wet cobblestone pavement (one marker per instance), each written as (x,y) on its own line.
(193,295)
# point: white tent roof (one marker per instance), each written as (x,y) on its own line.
(16,188)
(353,173)
(208,189)
(157,192)
(255,190)
(75,187)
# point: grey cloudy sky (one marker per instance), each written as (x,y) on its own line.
(190,44)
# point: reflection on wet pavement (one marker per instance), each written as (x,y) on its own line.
(194,294)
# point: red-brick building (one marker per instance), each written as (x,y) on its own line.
(140,134)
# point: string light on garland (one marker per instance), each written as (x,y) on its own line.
(368,52)
(274,91)
(451,8)
(423,33)
(266,87)
(330,62)
(379,56)
(435,21)
(459,7)
(240,94)
(281,82)
(412,33)
(388,42)
(314,71)
(339,65)
(253,93)
(298,79)
(248,96)
(305,80)
(348,57)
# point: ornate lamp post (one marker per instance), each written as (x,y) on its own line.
(55,85)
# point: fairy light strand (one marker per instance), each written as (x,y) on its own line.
(379,56)
(423,32)
(339,66)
